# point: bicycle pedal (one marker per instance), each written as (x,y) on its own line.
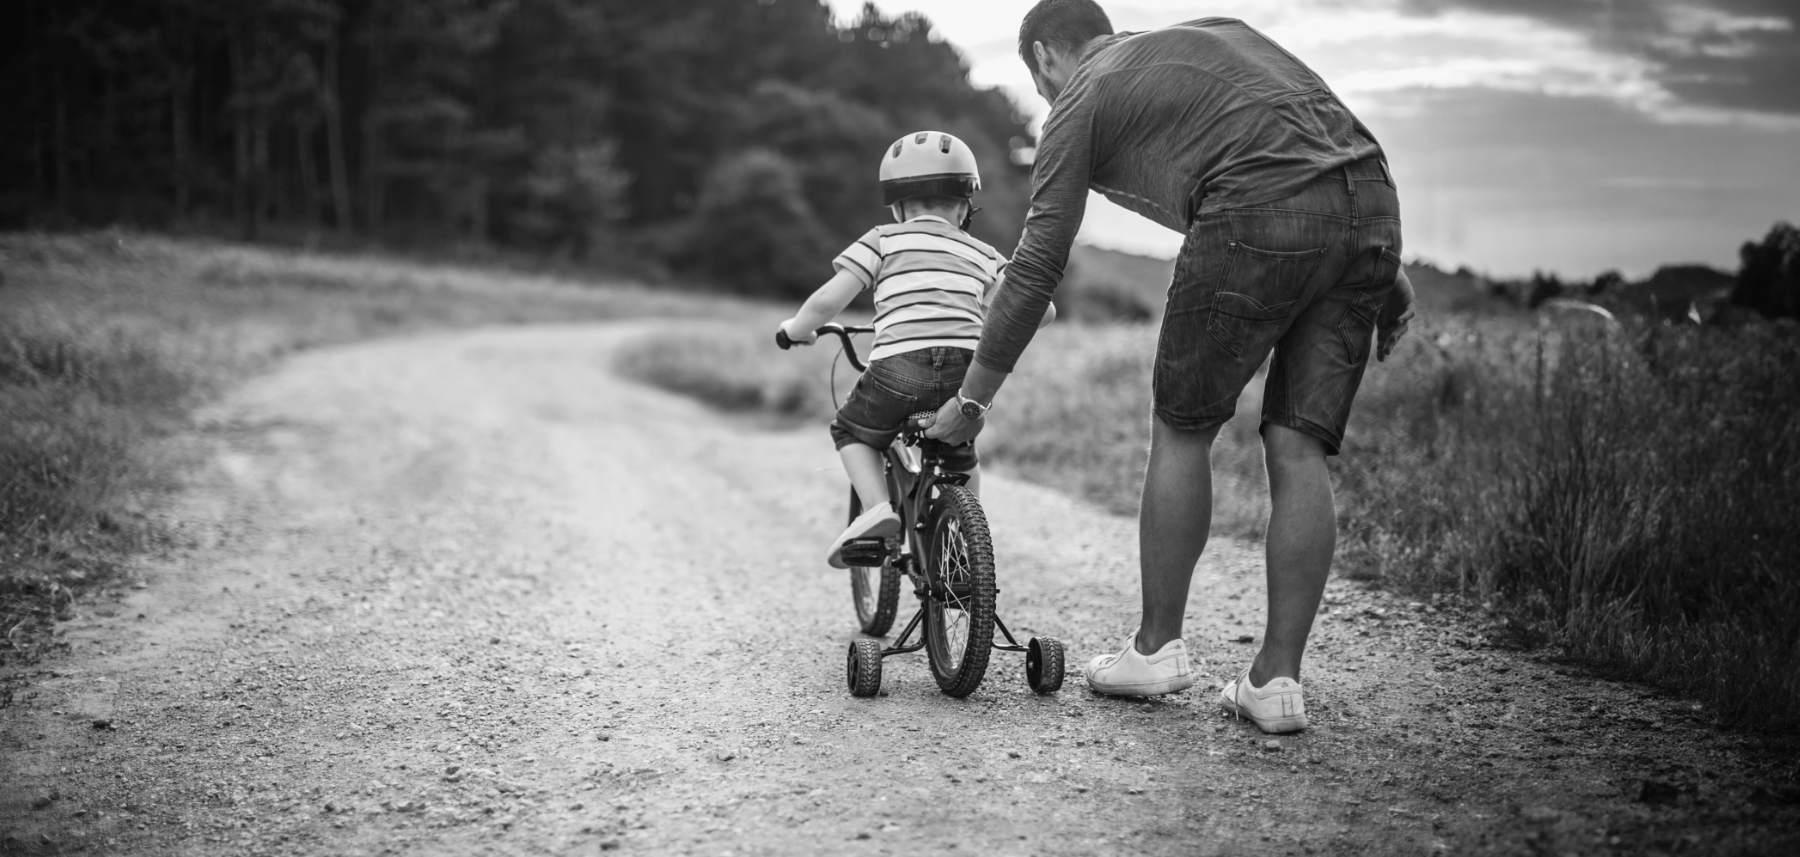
(865,553)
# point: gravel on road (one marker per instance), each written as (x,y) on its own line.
(474,594)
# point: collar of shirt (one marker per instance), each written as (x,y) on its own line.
(918,217)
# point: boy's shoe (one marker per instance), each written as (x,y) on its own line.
(1128,673)
(877,523)
(1277,706)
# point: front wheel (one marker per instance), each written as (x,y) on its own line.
(959,608)
(875,590)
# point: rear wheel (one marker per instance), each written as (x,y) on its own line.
(959,610)
(875,590)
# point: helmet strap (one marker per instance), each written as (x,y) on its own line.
(970,217)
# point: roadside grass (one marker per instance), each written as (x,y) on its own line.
(108,339)
(738,368)
(1625,492)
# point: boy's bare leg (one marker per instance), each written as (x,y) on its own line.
(1302,536)
(867,476)
(1173,524)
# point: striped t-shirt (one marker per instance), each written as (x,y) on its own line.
(931,283)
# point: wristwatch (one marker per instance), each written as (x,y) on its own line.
(971,409)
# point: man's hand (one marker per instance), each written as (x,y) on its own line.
(950,427)
(1395,316)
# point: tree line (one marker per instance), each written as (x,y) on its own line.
(737,139)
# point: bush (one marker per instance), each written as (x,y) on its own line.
(1769,282)
(571,200)
(752,230)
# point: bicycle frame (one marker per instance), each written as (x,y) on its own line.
(914,476)
(915,481)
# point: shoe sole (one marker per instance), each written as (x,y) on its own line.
(881,530)
(1149,688)
(1271,725)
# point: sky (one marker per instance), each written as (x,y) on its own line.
(1571,136)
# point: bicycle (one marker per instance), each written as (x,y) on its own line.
(945,552)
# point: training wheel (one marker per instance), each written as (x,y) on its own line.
(862,669)
(1044,664)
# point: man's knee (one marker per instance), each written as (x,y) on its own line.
(1284,446)
(1163,434)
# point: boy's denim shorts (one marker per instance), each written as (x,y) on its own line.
(897,387)
(1303,277)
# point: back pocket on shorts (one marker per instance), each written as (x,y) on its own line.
(1260,289)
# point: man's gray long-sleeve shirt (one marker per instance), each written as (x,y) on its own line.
(1171,123)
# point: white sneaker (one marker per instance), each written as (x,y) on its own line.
(877,523)
(1275,707)
(1131,674)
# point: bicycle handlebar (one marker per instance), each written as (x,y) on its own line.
(784,342)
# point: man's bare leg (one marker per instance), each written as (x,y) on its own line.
(1302,537)
(1173,525)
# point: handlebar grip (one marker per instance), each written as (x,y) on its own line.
(781,339)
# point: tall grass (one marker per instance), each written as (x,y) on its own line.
(1628,492)
(107,339)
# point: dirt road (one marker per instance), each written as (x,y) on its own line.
(473,594)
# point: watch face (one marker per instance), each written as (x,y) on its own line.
(971,410)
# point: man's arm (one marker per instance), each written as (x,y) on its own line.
(1059,192)
(1059,188)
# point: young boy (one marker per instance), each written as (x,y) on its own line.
(932,281)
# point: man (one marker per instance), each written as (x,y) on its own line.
(1293,243)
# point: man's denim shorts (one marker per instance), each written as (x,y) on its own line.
(897,387)
(1303,277)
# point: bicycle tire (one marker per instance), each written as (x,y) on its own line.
(874,592)
(961,561)
(862,668)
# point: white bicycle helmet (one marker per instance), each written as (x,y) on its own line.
(928,163)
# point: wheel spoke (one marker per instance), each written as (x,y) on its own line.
(953,571)
(959,609)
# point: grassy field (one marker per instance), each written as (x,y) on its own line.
(1624,491)
(108,339)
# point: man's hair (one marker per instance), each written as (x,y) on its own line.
(1065,24)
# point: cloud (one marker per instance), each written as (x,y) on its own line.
(1511,181)
(1573,135)
(1713,60)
